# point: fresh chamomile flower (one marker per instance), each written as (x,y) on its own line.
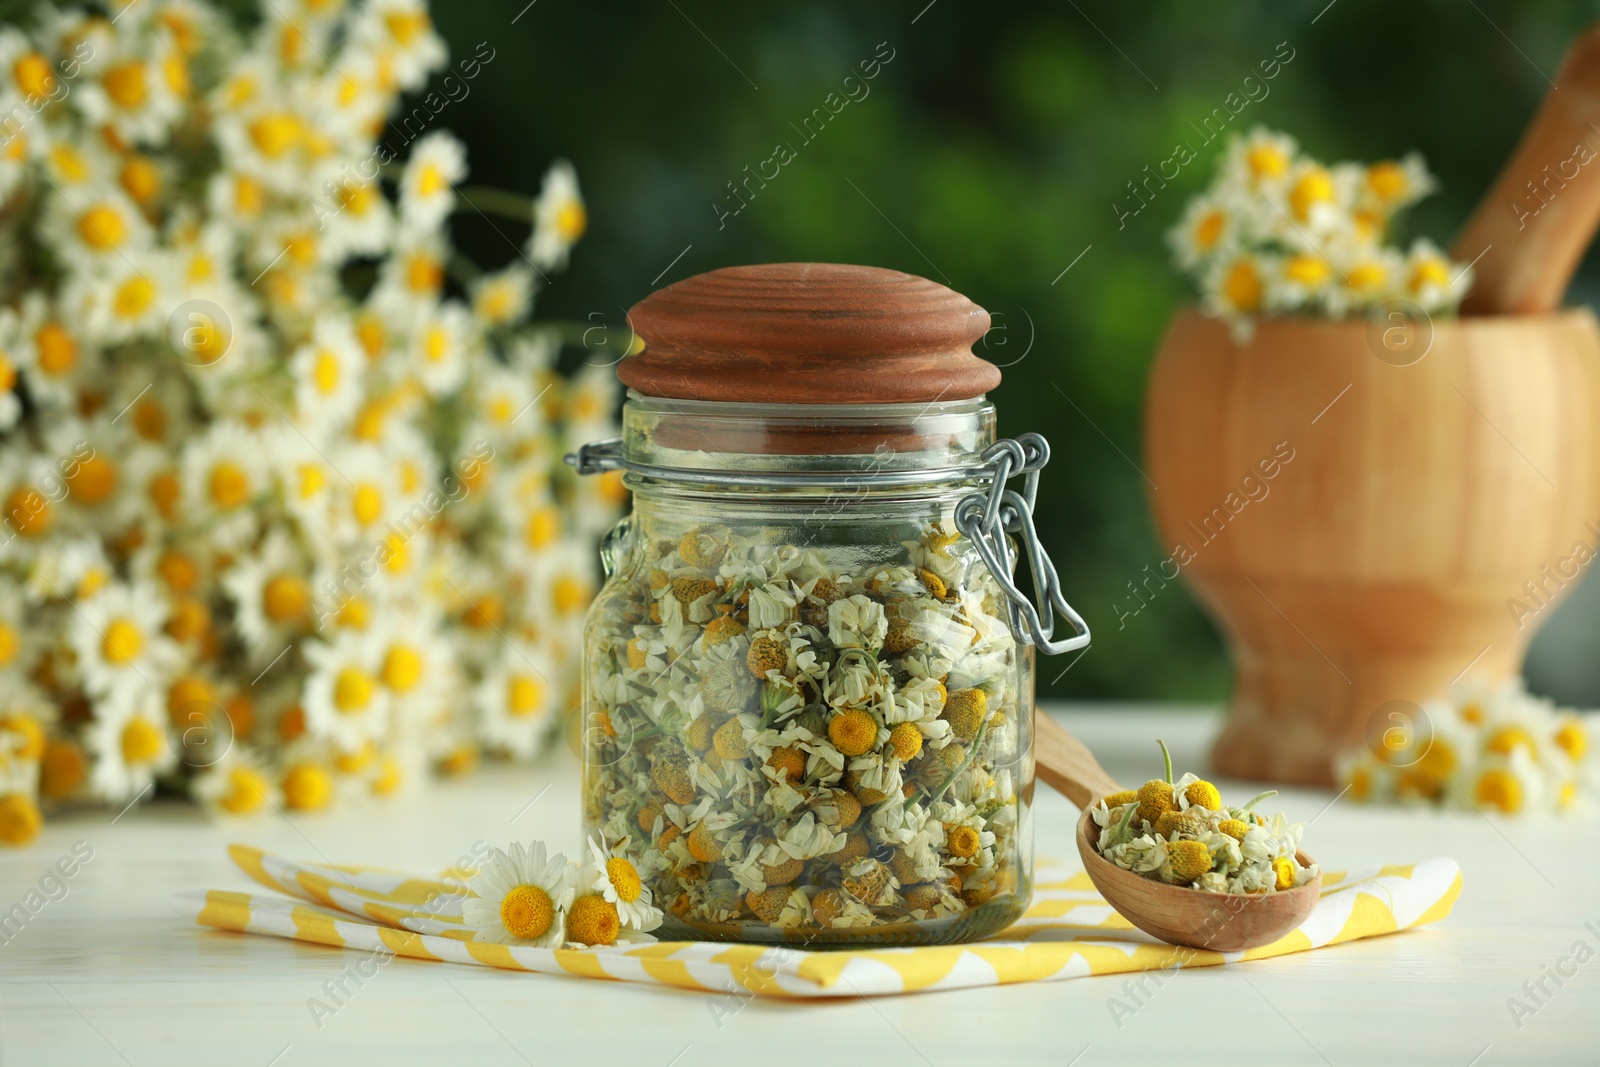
(1367,276)
(442,346)
(503,297)
(53,354)
(520,897)
(138,93)
(437,164)
(1389,185)
(129,747)
(327,374)
(402,33)
(345,701)
(356,218)
(1262,159)
(1303,281)
(559,218)
(1235,288)
(517,699)
(122,649)
(366,494)
(223,474)
(237,785)
(19,642)
(96,225)
(1432,280)
(616,878)
(1209,226)
(271,594)
(68,568)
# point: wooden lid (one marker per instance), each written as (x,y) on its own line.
(808,333)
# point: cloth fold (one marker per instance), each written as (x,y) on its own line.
(1068,932)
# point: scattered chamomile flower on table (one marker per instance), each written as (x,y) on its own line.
(1181,833)
(524,898)
(1279,232)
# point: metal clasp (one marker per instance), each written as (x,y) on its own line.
(987,519)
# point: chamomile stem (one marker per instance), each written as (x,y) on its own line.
(1167,758)
(1260,797)
(496,202)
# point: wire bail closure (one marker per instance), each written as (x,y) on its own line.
(988,518)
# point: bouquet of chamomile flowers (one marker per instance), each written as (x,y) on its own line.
(1496,748)
(284,516)
(1281,233)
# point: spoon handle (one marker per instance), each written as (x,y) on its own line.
(1064,764)
(1534,225)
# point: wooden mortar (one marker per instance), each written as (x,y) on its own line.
(1429,480)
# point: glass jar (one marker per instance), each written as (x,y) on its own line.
(808,677)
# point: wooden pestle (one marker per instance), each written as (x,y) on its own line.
(1536,222)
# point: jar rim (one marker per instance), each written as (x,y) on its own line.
(791,439)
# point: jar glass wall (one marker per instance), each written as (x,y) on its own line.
(805,711)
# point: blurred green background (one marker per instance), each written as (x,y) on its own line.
(988,155)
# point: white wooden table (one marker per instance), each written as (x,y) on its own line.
(109,975)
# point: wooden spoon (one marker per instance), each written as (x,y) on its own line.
(1222,922)
(1534,224)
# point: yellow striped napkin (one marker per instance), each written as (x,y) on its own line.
(1069,932)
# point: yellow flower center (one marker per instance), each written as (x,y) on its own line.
(1306,269)
(8,375)
(543,527)
(1361,783)
(142,741)
(1365,277)
(593,920)
(406,26)
(140,178)
(150,420)
(523,694)
(373,337)
(1387,180)
(102,227)
(527,912)
(246,793)
(963,841)
(70,164)
(93,480)
(33,75)
(571,221)
(1570,738)
(1430,271)
(1242,286)
(424,273)
(1472,713)
(389,778)
(122,642)
(285,598)
(906,740)
(19,819)
(431,182)
(127,84)
(134,297)
(570,594)
(276,133)
(9,644)
(29,512)
(436,344)
(307,787)
(248,196)
(353,689)
(852,731)
(354,762)
(311,480)
(190,621)
(32,734)
(1267,161)
(624,879)
(354,614)
(230,485)
(402,668)
(367,504)
(1508,739)
(1314,187)
(62,770)
(1500,789)
(325,372)
(58,352)
(94,579)
(1209,229)
(164,491)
